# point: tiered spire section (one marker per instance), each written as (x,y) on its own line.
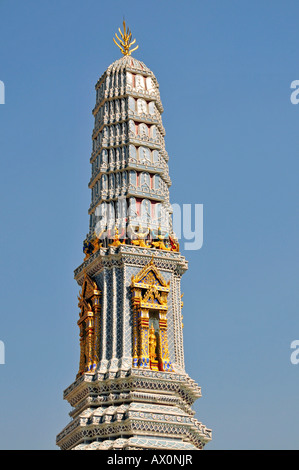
(130,178)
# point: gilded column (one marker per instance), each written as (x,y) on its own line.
(97,332)
(165,363)
(143,324)
(89,339)
(103,352)
(82,351)
(136,307)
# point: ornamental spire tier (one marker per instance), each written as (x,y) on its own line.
(131,390)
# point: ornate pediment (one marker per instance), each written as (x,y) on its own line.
(150,276)
(154,299)
(89,289)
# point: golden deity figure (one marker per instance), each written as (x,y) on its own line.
(92,245)
(116,240)
(97,243)
(140,237)
(160,243)
(175,246)
(152,344)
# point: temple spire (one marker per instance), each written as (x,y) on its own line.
(125,43)
(131,390)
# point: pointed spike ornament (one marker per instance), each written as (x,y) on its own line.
(125,42)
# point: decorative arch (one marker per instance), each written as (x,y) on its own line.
(149,301)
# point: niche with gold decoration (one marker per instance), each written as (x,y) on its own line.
(89,324)
(149,302)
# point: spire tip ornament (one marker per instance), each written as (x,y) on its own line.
(125,43)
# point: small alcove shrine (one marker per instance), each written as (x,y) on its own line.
(149,301)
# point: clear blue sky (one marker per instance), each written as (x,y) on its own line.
(232,134)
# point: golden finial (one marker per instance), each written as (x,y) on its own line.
(125,42)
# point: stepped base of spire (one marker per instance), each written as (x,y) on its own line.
(135,409)
(138,443)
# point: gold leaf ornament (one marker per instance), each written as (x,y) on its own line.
(125,42)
